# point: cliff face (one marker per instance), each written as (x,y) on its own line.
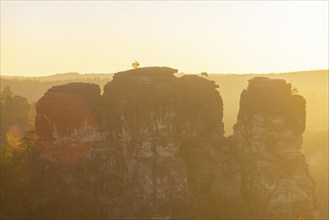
(153,102)
(156,152)
(275,178)
(69,110)
(152,146)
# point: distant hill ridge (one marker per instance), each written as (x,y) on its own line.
(68,75)
(61,76)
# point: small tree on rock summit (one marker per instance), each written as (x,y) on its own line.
(135,65)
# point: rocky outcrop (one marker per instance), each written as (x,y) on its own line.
(70,110)
(275,179)
(144,165)
(153,102)
(67,121)
(153,146)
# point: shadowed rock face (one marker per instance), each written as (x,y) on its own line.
(68,110)
(153,102)
(275,178)
(152,146)
(272,98)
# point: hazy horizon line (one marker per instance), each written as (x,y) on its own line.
(178,72)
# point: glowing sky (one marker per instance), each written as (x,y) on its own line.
(47,37)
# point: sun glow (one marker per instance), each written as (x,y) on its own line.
(39,38)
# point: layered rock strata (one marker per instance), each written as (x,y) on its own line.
(70,110)
(275,181)
(153,146)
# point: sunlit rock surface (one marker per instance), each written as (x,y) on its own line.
(275,178)
(152,146)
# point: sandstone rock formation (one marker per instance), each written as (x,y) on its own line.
(153,102)
(275,179)
(153,146)
(68,110)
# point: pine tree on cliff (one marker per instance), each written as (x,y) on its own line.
(135,65)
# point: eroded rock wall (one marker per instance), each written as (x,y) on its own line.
(141,167)
(153,146)
(268,134)
(70,110)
